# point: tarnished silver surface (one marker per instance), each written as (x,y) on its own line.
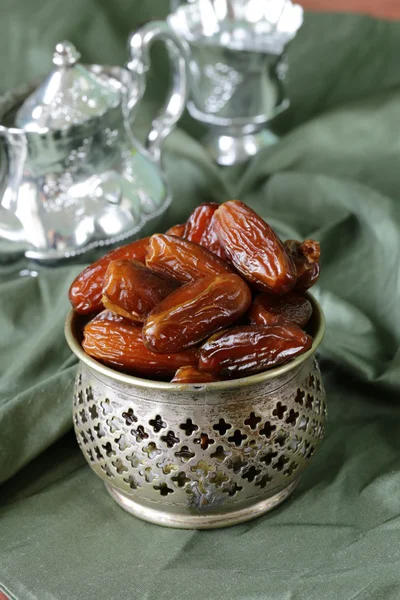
(204,455)
(76,177)
(237,66)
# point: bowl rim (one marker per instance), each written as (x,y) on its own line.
(141,382)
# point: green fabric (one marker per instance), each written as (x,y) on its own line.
(335,176)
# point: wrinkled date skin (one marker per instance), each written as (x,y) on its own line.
(254,249)
(177,230)
(195,311)
(251,349)
(273,310)
(132,290)
(199,221)
(117,342)
(87,288)
(182,260)
(306,257)
(192,375)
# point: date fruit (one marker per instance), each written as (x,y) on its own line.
(274,310)
(210,240)
(253,248)
(192,375)
(118,343)
(132,290)
(251,349)
(177,230)
(216,297)
(107,315)
(199,221)
(87,288)
(306,257)
(182,260)
(195,311)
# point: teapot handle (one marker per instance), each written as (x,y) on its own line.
(13,160)
(139,47)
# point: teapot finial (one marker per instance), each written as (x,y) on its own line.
(65,55)
(72,94)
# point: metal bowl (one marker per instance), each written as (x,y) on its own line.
(199,456)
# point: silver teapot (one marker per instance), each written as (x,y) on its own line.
(72,176)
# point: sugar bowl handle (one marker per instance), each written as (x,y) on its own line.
(139,48)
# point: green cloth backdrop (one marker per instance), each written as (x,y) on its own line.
(335,176)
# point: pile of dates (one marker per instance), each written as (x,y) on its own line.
(219,297)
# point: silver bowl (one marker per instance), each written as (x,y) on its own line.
(199,456)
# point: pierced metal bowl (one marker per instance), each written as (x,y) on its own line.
(203,455)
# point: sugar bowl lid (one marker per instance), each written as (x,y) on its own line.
(71,95)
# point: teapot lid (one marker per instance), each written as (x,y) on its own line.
(71,95)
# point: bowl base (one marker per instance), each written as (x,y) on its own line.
(189,521)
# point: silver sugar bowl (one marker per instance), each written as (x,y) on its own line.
(199,456)
(237,69)
(73,175)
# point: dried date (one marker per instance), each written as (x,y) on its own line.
(195,311)
(132,290)
(306,257)
(182,260)
(273,310)
(192,375)
(117,342)
(177,230)
(211,241)
(87,288)
(251,349)
(199,221)
(253,248)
